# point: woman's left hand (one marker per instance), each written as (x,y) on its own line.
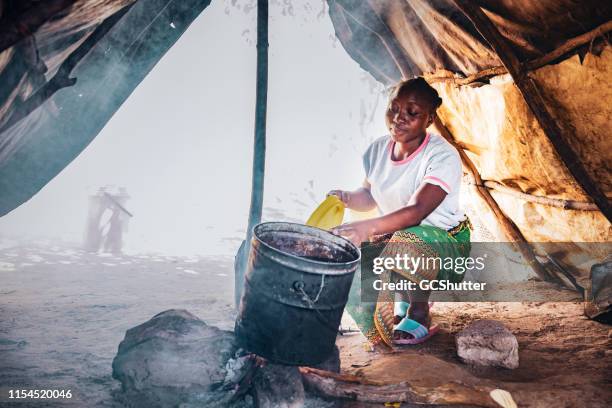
(356,232)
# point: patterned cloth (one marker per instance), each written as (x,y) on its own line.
(375,319)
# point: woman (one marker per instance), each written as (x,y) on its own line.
(413,177)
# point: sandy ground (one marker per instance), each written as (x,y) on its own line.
(565,358)
(63,313)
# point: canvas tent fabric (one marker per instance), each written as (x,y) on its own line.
(507,145)
(395,38)
(109,46)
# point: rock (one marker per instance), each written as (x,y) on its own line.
(487,343)
(598,296)
(171,358)
(278,386)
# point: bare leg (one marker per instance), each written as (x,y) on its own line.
(400,296)
(418,310)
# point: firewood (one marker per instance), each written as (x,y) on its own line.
(351,387)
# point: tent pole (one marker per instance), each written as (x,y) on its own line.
(534,99)
(259,146)
(568,46)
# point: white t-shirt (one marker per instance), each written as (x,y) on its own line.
(394,182)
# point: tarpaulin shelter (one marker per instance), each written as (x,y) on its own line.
(525,86)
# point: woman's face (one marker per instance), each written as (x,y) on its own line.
(408,117)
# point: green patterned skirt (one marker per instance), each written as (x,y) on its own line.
(375,319)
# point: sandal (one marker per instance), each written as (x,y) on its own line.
(419,332)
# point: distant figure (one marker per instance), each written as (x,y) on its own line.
(118,222)
(93,231)
(107,220)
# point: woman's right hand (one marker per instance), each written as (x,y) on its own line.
(357,200)
(344,196)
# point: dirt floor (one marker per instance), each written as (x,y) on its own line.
(63,313)
(565,358)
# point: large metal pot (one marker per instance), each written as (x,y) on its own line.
(296,286)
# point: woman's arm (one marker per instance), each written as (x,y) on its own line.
(358,200)
(424,201)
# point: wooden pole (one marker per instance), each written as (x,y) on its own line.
(356,388)
(568,46)
(535,101)
(552,202)
(259,146)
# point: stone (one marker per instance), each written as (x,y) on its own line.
(170,359)
(598,296)
(278,386)
(487,343)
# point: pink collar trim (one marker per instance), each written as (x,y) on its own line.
(407,159)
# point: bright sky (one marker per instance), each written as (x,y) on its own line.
(182,142)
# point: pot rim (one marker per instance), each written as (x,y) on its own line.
(302,259)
